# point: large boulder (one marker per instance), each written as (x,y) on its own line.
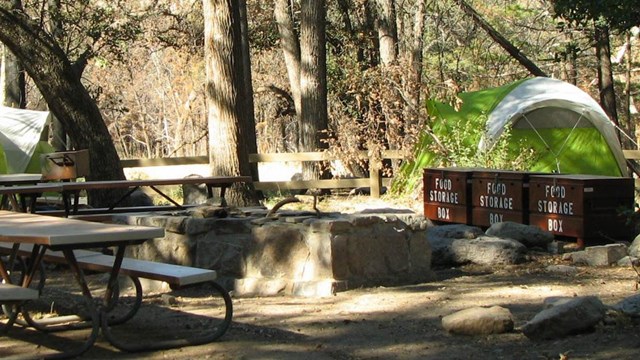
(529,236)
(441,239)
(488,250)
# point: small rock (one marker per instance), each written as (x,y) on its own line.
(629,261)
(562,269)
(567,317)
(556,247)
(479,321)
(634,248)
(168,299)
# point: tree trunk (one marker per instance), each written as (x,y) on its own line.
(57,132)
(12,80)
(60,85)
(414,80)
(224,89)
(631,127)
(605,73)
(291,50)
(387,32)
(248,123)
(313,79)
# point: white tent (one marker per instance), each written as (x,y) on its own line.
(20,132)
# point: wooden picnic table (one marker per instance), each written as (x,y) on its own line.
(69,236)
(70,191)
(74,188)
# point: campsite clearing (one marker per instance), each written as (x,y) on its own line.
(402,322)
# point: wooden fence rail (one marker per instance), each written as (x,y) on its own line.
(374,182)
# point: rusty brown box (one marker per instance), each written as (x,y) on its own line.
(447,194)
(499,195)
(64,165)
(586,207)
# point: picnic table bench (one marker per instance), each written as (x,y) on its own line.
(13,293)
(177,276)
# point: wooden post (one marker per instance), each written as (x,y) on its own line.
(375,182)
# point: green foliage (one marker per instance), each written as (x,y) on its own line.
(615,14)
(461,144)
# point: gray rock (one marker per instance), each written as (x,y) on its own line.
(454,231)
(529,236)
(441,239)
(556,300)
(634,248)
(556,247)
(487,250)
(629,306)
(562,269)
(629,261)
(567,317)
(479,321)
(603,255)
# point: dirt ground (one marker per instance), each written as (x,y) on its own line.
(369,323)
(379,323)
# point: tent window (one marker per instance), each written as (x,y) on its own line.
(546,145)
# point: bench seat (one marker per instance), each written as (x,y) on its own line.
(175,275)
(11,293)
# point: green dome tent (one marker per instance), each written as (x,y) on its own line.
(563,126)
(20,145)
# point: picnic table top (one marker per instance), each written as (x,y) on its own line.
(108,184)
(31,189)
(19,179)
(53,231)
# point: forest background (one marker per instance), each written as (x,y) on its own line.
(384,58)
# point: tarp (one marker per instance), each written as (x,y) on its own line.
(565,128)
(20,132)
